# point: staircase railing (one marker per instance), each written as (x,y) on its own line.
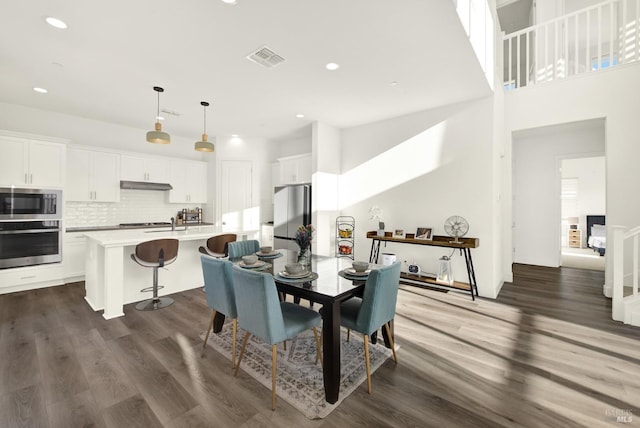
(594,38)
(623,239)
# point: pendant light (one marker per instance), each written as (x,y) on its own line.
(157,136)
(204,145)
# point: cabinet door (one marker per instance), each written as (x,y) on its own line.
(73,255)
(157,170)
(304,169)
(198,183)
(78,171)
(132,168)
(289,171)
(13,162)
(178,179)
(105,177)
(46,164)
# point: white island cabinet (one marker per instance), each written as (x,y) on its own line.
(113,279)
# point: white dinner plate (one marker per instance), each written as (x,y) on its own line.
(352,272)
(271,254)
(257,264)
(284,274)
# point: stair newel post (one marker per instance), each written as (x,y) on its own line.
(617,305)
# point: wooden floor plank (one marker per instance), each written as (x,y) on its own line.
(544,353)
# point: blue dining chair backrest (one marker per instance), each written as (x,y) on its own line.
(379,299)
(243,248)
(259,310)
(218,285)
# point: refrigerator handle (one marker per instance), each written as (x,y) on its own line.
(307,207)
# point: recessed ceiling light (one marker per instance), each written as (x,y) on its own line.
(394,83)
(332,66)
(40,90)
(234,135)
(299,116)
(229,1)
(55,22)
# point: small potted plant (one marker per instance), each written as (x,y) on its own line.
(376,214)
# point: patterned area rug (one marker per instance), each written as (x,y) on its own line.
(299,380)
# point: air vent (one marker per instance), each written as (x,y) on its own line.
(265,57)
(171,112)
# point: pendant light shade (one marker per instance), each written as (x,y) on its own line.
(204,145)
(158,136)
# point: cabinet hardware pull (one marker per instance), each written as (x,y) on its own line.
(31,178)
(26,181)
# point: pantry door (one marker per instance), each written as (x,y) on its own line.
(236,207)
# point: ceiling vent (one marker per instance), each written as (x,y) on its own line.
(265,57)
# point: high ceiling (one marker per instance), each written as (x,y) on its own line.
(104,65)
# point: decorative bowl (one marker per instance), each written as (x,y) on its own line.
(250,259)
(360,266)
(266,250)
(293,268)
(344,233)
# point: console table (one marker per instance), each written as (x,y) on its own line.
(465,245)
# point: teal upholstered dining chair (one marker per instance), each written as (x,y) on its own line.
(218,285)
(243,248)
(375,309)
(261,313)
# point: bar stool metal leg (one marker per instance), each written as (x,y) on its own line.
(155,302)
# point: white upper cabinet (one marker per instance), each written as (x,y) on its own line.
(31,163)
(293,170)
(92,176)
(135,168)
(189,181)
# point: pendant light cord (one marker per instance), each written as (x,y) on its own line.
(205,119)
(158,109)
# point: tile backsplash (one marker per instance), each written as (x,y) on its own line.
(135,206)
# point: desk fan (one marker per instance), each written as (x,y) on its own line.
(456,227)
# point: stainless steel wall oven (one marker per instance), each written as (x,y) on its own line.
(30,227)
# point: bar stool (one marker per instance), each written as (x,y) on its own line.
(155,254)
(218,246)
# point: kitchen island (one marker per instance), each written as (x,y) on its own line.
(113,279)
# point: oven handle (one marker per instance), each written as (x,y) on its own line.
(13,232)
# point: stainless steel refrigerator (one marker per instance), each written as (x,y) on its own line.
(291,209)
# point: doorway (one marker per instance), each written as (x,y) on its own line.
(582,199)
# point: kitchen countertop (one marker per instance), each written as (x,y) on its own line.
(128,236)
(117,227)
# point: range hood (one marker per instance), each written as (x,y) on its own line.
(144,185)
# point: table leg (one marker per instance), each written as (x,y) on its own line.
(387,341)
(331,350)
(218,321)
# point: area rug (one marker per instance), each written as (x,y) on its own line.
(299,379)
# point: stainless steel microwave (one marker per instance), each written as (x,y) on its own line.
(30,204)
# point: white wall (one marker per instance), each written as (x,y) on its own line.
(610,94)
(536,185)
(420,169)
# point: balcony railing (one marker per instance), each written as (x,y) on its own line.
(591,39)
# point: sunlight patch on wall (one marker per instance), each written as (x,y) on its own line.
(404,162)
(325,200)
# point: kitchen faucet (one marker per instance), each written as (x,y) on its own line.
(173,224)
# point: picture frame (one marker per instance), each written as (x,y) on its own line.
(398,233)
(423,233)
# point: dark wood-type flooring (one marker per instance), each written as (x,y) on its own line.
(544,354)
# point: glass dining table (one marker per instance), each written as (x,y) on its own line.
(329,285)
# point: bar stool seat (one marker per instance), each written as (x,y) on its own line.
(155,254)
